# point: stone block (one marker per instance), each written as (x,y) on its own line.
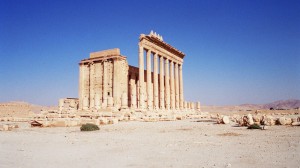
(113,121)
(225,120)
(103,121)
(296,124)
(106,114)
(73,123)
(5,127)
(60,123)
(103,53)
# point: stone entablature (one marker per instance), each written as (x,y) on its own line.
(104,53)
(153,43)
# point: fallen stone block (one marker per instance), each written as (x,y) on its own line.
(103,121)
(60,124)
(36,124)
(113,121)
(4,127)
(225,120)
(250,119)
(288,121)
(296,124)
(281,121)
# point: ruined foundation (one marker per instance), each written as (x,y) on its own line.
(110,89)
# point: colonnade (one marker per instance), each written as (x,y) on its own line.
(167,92)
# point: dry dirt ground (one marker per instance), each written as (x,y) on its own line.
(184,143)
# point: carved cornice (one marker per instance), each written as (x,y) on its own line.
(101,59)
(157,40)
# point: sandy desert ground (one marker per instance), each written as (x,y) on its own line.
(185,143)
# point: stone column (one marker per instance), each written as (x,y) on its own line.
(180,87)
(97,85)
(161,84)
(133,91)
(141,77)
(105,83)
(92,85)
(81,85)
(110,102)
(100,71)
(198,106)
(176,87)
(172,86)
(61,103)
(86,84)
(124,100)
(155,82)
(167,92)
(149,83)
(192,106)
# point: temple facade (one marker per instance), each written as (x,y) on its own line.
(107,82)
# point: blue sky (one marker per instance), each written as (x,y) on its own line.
(236,51)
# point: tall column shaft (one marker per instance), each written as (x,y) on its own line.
(172,85)
(105,83)
(86,84)
(132,91)
(81,85)
(180,88)
(149,83)
(155,82)
(167,95)
(176,87)
(92,86)
(161,84)
(100,71)
(141,77)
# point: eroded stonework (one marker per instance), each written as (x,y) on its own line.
(107,82)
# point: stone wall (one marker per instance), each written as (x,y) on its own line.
(103,80)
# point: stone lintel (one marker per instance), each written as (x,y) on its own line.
(103,58)
(103,53)
(162,44)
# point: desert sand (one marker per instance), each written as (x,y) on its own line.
(185,143)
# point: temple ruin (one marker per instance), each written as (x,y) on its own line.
(107,82)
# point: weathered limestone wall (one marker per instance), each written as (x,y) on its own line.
(120,81)
(68,105)
(107,82)
(102,80)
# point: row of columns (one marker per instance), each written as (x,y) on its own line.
(169,93)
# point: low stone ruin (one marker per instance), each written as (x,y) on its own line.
(259,119)
(8,127)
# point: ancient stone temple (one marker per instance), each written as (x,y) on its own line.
(102,80)
(106,81)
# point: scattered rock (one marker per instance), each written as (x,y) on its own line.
(267,120)
(225,120)
(288,121)
(8,127)
(250,119)
(296,124)
(281,121)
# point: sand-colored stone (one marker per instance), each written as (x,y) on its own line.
(225,120)
(250,119)
(106,74)
(105,53)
